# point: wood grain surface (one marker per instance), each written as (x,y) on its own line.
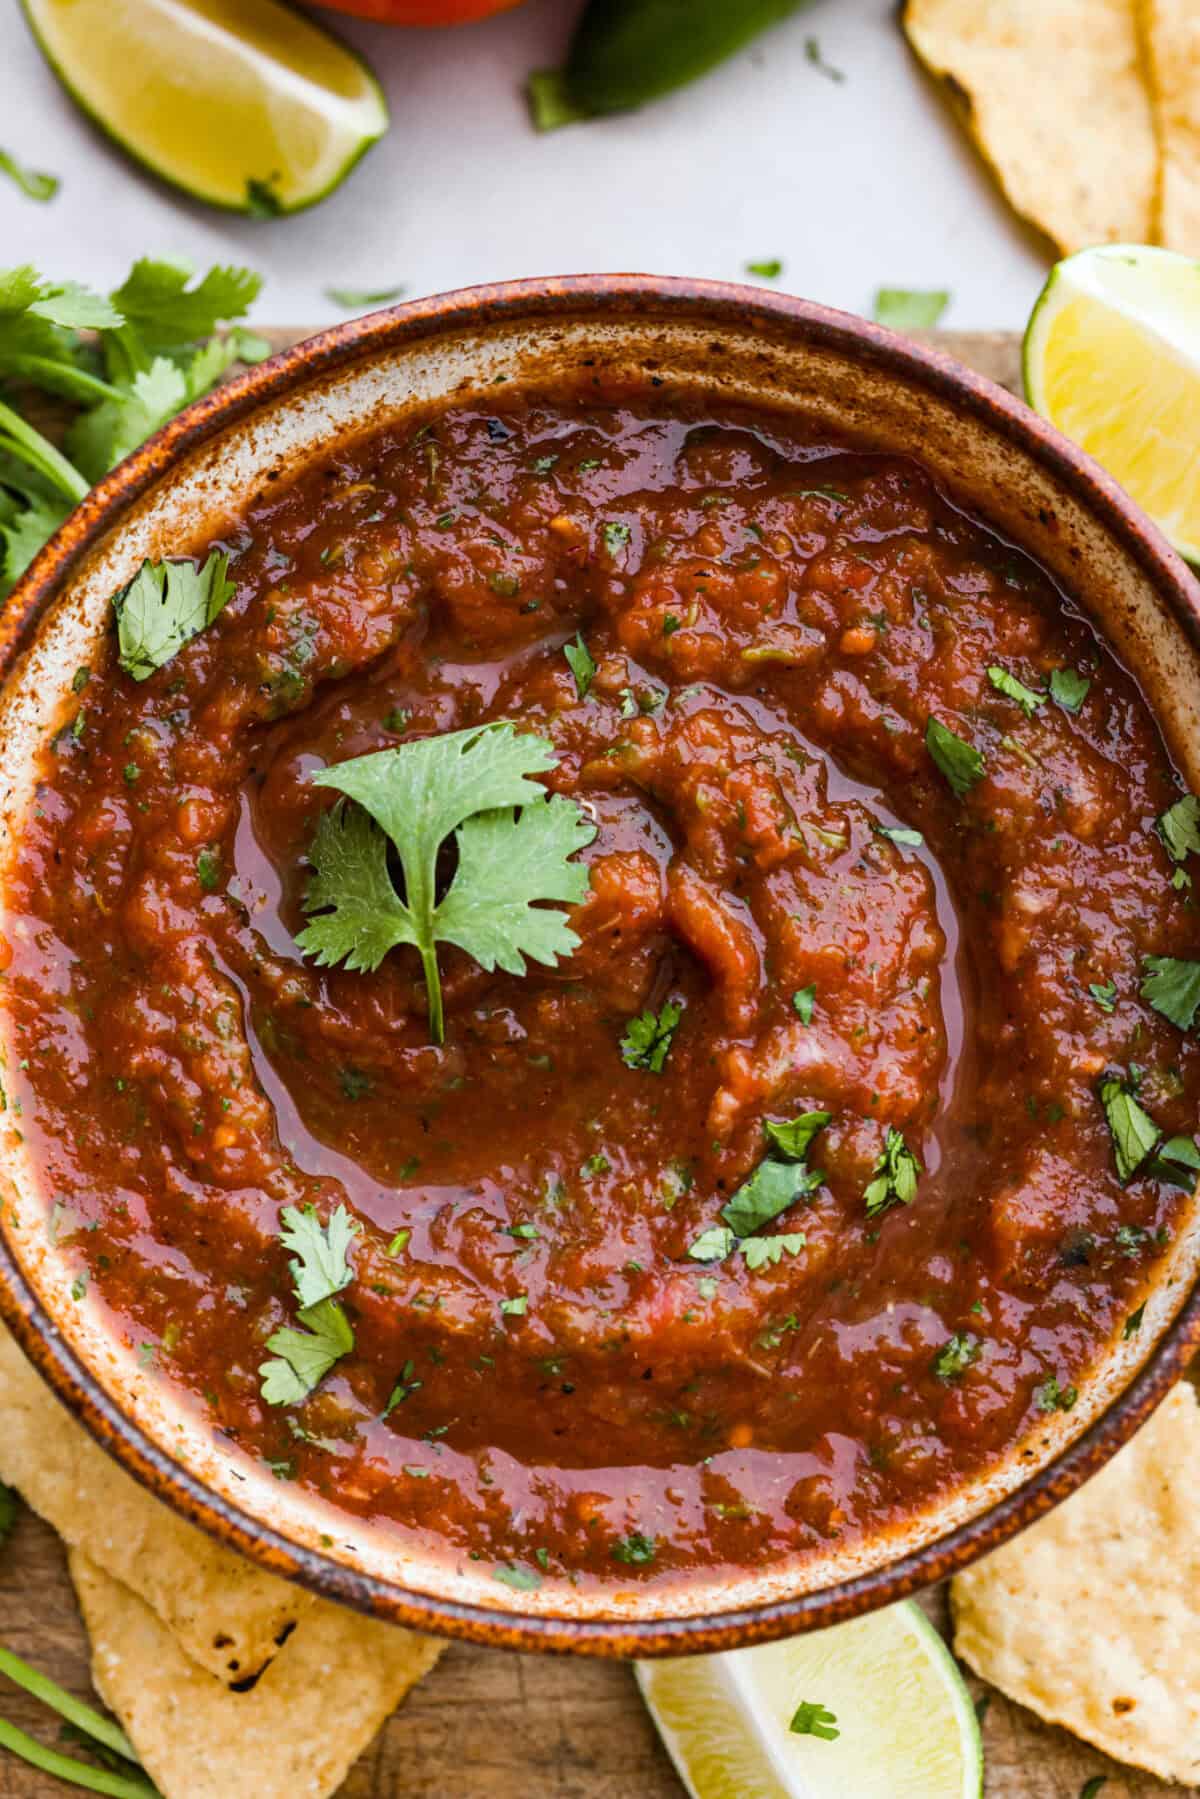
(490,1725)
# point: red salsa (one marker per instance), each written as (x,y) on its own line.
(883,837)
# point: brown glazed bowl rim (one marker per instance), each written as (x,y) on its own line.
(531,302)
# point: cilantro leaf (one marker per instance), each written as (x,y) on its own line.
(896,1174)
(353,297)
(1179,828)
(302,1358)
(910,309)
(961,764)
(616,535)
(319,1266)
(582,666)
(792,1139)
(810,1720)
(956,1356)
(900,834)
(765,1252)
(1134,1132)
(1068,689)
(165,606)
(770,270)
(509,861)
(770,1190)
(803,1001)
(648,1038)
(361,917)
(1177,1161)
(1104,993)
(714,1244)
(32,182)
(778,1181)
(1172,986)
(1012,689)
(161,313)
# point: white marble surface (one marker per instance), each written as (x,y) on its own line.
(852,184)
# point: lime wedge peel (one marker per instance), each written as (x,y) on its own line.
(245,104)
(907,1728)
(1112,358)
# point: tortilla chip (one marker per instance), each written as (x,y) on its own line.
(228,1615)
(1089,1617)
(294,1735)
(1172,36)
(1053,95)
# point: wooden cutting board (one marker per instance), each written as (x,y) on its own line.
(491,1725)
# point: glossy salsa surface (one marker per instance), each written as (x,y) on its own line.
(543,1377)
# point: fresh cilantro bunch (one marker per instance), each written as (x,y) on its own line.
(514,846)
(150,348)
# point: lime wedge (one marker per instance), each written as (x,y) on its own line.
(243,103)
(1112,357)
(905,1725)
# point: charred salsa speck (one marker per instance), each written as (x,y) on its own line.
(833,1143)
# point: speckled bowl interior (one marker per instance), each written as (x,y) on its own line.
(849,378)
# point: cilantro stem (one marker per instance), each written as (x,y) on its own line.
(31,448)
(92,1723)
(62,378)
(433,988)
(65,1767)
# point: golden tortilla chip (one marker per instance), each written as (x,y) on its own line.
(1053,95)
(1172,36)
(227,1614)
(294,1735)
(1089,1617)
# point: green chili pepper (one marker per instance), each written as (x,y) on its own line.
(626,52)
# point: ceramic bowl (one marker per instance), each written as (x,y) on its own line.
(850,378)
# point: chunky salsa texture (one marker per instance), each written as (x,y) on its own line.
(803,899)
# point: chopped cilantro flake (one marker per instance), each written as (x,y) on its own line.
(910,309)
(961,764)
(581,663)
(810,1720)
(635,1550)
(647,1039)
(803,1001)
(1134,1132)
(1172,986)
(956,1356)
(1012,689)
(896,1174)
(1068,689)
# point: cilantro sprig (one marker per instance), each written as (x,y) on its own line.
(320,1270)
(515,848)
(152,350)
